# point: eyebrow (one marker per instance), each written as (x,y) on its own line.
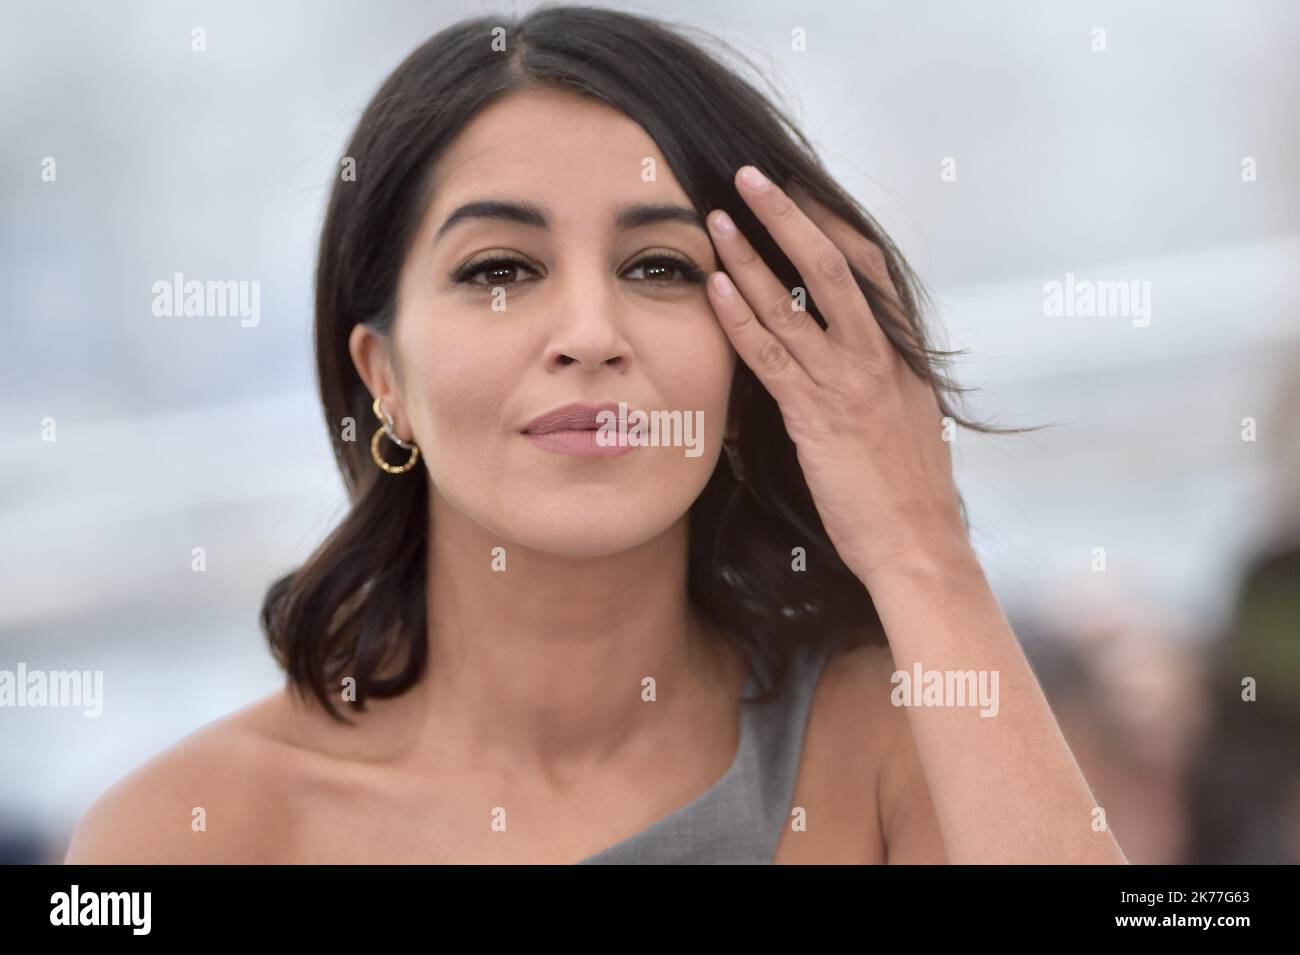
(633,216)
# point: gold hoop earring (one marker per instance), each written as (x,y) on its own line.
(387,429)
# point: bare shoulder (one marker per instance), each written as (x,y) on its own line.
(870,740)
(211,797)
(852,701)
(869,666)
(836,788)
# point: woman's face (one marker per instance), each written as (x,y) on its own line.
(590,314)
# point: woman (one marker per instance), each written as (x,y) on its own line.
(526,643)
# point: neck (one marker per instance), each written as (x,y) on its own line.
(540,667)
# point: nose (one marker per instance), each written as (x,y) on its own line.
(591,336)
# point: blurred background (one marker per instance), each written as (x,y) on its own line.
(1146,544)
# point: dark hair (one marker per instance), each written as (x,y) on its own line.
(356,608)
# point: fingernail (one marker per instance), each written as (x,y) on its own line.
(723,224)
(722,285)
(753,178)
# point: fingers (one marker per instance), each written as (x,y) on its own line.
(819,261)
(869,259)
(765,297)
(762,351)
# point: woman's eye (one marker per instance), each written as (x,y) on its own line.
(659,269)
(497,271)
(656,269)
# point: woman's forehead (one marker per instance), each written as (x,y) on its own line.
(533,144)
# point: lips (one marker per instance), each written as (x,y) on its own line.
(573,429)
(571,417)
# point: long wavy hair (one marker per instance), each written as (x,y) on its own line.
(356,608)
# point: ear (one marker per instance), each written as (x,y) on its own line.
(372,355)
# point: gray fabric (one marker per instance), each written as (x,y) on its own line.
(740,819)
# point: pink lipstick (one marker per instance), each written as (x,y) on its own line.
(573,429)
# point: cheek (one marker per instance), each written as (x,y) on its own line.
(456,386)
(692,369)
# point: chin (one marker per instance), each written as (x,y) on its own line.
(593,528)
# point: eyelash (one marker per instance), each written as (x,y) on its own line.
(690,272)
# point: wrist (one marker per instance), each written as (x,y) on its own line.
(947,562)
